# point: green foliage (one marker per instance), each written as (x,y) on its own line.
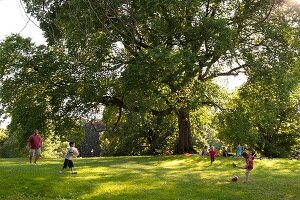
(265,107)
(30,76)
(137,134)
(264,115)
(53,147)
(204,130)
(235,127)
(154,60)
(3,135)
(9,147)
(3,138)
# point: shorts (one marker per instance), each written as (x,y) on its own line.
(35,152)
(68,163)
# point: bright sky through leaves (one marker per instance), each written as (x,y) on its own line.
(13,19)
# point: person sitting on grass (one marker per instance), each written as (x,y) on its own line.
(248,167)
(224,152)
(204,151)
(71,152)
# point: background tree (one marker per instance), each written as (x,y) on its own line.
(3,137)
(140,134)
(265,112)
(262,117)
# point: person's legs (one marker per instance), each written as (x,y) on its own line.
(66,164)
(37,155)
(71,166)
(30,155)
(247,175)
(72,171)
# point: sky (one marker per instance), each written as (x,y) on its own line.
(13,19)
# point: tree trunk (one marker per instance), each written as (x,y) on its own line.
(184,144)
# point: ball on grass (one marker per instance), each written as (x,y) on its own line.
(234,178)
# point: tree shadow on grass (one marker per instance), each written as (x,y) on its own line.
(170,177)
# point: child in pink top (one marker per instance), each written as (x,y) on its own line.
(212,154)
(249,165)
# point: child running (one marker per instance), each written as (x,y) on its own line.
(212,154)
(71,152)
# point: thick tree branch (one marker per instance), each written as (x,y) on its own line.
(110,101)
(162,112)
(233,72)
(95,128)
(211,103)
(113,101)
(208,65)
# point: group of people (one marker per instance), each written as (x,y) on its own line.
(240,151)
(220,152)
(35,143)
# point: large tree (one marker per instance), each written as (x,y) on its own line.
(155,57)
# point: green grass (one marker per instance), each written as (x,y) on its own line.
(171,177)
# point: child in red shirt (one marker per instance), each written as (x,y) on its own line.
(212,154)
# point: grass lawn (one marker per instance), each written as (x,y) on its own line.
(169,178)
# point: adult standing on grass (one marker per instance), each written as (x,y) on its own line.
(239,150)
(249,165)
(34,143)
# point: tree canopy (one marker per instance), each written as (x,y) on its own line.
(150,63)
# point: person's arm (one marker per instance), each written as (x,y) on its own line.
(28,142)
(41,141)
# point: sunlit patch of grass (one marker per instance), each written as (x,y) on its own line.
(171,177)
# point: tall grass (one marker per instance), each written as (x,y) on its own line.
(171,177)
